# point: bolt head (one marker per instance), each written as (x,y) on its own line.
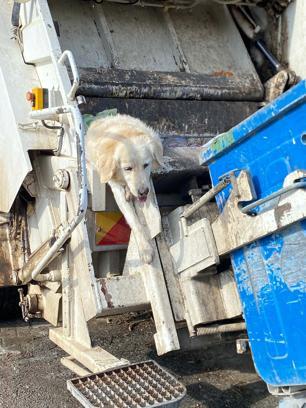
(61,179)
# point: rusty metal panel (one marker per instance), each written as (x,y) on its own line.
(14,243)
(123,294)
(99,82)
(6,270)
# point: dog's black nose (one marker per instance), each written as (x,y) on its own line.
(144,192)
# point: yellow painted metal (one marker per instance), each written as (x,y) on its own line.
(38,101)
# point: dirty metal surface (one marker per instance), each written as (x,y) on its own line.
(193,250)
(200,40)
(293,32)
(233,229)
(14,243)
(221,85)
(208,296)
(276,85)
(276,7)
(166,338)
(6,271)
(163,241)
(138,385)
(122,294)
(24,275)
(203,119)
(184,126)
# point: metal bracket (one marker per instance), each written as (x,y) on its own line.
(195,250)
(234,228)
(25,308)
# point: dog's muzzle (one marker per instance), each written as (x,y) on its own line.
(143,194)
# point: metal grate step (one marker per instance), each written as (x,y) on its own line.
(143,384)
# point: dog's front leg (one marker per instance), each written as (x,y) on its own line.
(128,194)
(145,248)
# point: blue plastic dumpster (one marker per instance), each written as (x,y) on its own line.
(270,272)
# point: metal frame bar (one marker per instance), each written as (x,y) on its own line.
(294,186)
(206,197)
(83,199)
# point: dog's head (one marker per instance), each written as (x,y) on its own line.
(126,150)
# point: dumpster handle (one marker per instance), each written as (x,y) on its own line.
(294,186)
(206,197)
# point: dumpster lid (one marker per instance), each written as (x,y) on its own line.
(225,141)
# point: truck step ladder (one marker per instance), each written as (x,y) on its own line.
(143,384)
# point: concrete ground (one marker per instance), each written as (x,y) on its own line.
(31,375)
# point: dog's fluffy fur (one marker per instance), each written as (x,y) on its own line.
(124,150)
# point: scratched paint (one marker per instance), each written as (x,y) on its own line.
(293,260)
(221,142)
(257,273)
(271,272)
(272,302)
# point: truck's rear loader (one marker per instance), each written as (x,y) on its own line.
(184,68)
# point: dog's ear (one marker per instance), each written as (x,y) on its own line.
(102,156)
(157,151)
(106,167)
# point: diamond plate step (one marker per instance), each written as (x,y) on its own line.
(138,385)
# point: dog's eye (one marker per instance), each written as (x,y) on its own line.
(145,165)
(128,168)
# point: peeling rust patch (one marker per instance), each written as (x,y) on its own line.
(14,243)
(5,267)
(107,295)
(226,74)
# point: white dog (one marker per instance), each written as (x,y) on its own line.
(124,150)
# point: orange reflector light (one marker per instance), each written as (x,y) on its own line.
(38,98)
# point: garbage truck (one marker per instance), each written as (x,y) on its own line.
(222,82)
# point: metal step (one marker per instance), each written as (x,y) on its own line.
(143,384)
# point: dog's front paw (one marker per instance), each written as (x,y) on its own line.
(146,252)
